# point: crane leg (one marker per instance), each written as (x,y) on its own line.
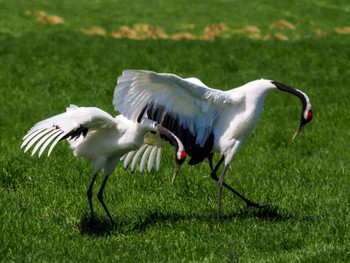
(89,194)
(210,160)
(100,198)
(215,177)
(220,184)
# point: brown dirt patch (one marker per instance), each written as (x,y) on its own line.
(282,24)
(140,31)
(44,18)
(183,36)
(250,31)
(321,32)
(343,30)
(98,31)
(214,31)
(281,37)
(277,36)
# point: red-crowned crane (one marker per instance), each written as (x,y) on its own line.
(206,120)
(97,136)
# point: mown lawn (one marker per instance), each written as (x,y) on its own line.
(45,67)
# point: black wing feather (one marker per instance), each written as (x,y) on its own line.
(198,153)
(76,133)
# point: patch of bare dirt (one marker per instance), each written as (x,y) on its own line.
(214,31)
(44,18)
(210,32)
(249,30)
(282,24)
(321,32)
(98,31)
(343,30)
(277,36)
(183,36)
(281,37)
(140,31)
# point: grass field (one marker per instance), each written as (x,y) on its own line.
(54,54)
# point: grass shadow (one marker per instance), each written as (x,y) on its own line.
(143,222)
(102,227)
(270,213)
(95,226)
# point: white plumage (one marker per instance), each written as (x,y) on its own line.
(206,120)
(151,153)
(97,136)
(190,104)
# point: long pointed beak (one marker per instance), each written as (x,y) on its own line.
(176,171)
(301,126)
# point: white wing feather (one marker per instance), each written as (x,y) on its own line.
(51,134)
(127,157)
(136,157)
(144,158)
(48,141)
(152,157)
(32,139)
(151,154)
(151,150)
(159,156)
(191,102)
(56,127)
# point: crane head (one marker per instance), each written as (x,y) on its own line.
(179,160)
(181,155)
(306,113)
(306,117)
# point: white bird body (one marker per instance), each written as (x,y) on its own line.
(97,136)
(239,119)
(109,143)
(107,139)
(206,120)
(229,115)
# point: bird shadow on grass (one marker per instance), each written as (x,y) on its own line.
(95,226)
(102,227)
(155,217)
(270,213)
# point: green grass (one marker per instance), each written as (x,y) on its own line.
(44,68)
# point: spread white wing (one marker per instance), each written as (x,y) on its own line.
(189,101)
(73,123)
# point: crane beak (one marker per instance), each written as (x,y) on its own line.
(301,126)
(176,171)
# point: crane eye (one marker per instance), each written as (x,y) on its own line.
(309,115)
(183,155)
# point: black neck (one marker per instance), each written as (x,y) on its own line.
(162,130)
(293,91)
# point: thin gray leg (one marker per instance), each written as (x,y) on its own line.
(220,184)
(249,202)
(89,194)
(100,198)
